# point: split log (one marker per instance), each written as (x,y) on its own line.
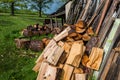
(67,73)
(42,71)
(78,37)
(67,47)
(46,41)
(78,71)
(80,77)
(90,31)
(54,57)
(85,59)
(72,34)
(63,34)
(36,67)
(86,37)
(80,24)
(95,58)
(79,30)
(75,55)
(69,39)
(51,73)
(46,51)
(47,72)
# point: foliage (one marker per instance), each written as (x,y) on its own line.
(40,5)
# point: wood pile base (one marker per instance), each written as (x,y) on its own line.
(63,58)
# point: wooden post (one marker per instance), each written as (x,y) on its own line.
(51,23)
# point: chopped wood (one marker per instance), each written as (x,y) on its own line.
(63,34)
(79,30)
(78,71)
(80,76)
(67,73)
(51,73)
(67,47)
(72,34)
(70,39)
(54,57)
(90,31)
(46,51)
(61,44)
(80,24)
(45,41)
(75,55)
(117,49)
(37,67)
(95,58)
(42,71)
(78,37)
(86,37)
(85,59)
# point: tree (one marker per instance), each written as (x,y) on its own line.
(40,5)
(11,4)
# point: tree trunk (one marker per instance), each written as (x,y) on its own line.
(40,9)
(12,8)
(40,15)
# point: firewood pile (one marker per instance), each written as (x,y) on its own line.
(39,30)
(35,30)
(78,50)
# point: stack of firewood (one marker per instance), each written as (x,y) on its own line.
(34,45)
(39,30)
(76,51)
(64,58)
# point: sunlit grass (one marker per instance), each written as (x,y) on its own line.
(16,64)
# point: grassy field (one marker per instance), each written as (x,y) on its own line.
(16,64)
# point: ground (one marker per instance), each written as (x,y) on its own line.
(16,64)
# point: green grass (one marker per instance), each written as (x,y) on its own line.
(16,64)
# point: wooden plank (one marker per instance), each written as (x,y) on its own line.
(103,15)
(86,10)
(75,55)
(54,57)
(107,67)
(68,70)
(109,44)
(80,76)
